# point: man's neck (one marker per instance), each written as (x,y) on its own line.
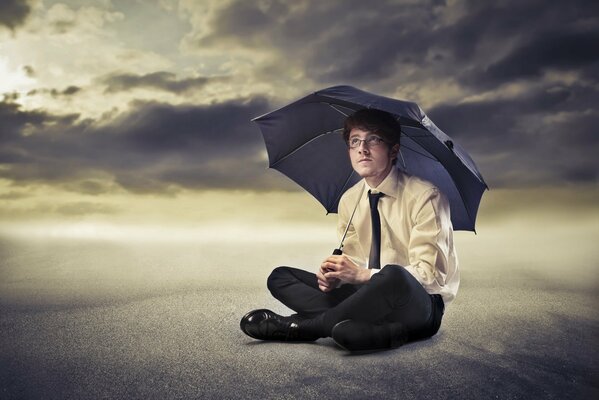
(374,181)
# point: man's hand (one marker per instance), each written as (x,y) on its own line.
(340,268)
(325,284)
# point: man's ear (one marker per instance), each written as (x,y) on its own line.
(393,151)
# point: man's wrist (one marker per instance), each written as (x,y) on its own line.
(364,275)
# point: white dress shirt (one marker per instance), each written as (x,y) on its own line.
(416,231)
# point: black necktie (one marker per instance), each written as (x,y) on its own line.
(374,261)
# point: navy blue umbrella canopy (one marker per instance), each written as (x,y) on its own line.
(304,141)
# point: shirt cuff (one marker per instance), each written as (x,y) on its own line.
(419,274)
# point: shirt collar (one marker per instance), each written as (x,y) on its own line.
(388,186)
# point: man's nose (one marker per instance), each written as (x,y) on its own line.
(363,147)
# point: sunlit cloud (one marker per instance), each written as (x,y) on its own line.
(15,78)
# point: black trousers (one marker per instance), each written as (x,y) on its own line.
(391,295)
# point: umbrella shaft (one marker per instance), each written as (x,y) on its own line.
(340,248)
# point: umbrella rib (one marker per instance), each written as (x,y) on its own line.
(344,186)
(336,109)
(301,146)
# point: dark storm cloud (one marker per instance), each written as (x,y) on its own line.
(348,40)
(13,13)
(543,133)
(361,41)
(56,93)
(157,80)
(153,128)
(541,137)
(154,147)
(15,121)
(555,50)
(486,27)
(467,120)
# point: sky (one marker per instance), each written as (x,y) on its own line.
(132,117)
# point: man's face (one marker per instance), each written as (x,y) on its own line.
(372,162)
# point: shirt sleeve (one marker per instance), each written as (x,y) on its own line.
(431,240)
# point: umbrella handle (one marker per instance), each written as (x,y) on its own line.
(337,252)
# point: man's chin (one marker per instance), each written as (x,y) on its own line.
(365,172)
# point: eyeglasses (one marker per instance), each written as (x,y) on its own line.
(370,141)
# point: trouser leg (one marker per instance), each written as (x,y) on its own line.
(298,290)
(392,295)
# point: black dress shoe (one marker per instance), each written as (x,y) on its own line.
(363,336)
(266,325)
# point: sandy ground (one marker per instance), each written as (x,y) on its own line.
(92,320)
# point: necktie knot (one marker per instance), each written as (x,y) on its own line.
(373,198)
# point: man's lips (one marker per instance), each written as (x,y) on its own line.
(364,160)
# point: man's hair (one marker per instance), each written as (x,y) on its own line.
(374,121)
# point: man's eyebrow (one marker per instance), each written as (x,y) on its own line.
(368,133)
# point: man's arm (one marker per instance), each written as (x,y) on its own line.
(431,240)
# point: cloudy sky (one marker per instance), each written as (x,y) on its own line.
(138,111)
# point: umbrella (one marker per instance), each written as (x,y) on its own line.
(304,141)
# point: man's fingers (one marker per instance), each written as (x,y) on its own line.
(324,285)
(324,288)
(327,266)
(323,282)
(334,259)
(331,275)
(321,277)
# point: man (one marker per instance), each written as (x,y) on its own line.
(401,223)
